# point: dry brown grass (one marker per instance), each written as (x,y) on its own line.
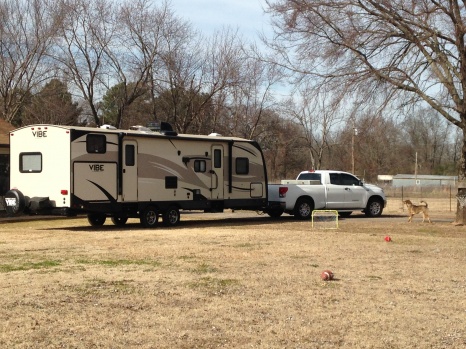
(246,282)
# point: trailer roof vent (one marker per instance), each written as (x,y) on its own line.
(163,127)
(140,128)
(215,134)
(108,127)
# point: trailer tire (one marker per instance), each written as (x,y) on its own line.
(149,217)
(275,212)
(171,217)
(96,219)
(374,208)
(15,202)
(303,209)
(119,220)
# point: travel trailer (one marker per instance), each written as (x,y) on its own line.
(136,173)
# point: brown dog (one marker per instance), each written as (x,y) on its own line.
(415,209)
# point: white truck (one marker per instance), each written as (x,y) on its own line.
(330,190)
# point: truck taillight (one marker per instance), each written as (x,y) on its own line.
(64,192)
(282,191)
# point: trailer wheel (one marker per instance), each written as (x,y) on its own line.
(275,212)
(96,219)
(374,208)
(149,217)
(171,217)
(303,209)
(119,220)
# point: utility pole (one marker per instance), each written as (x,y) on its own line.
(355,133)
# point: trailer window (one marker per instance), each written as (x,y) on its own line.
(242,166)
(217,158)
(199,166)
(129,155)
(30,162)
(96,143)
(171,182)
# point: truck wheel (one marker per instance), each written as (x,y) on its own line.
(275,212)
(96,219)
(149,217)
(374,208)
(171,217)
(119,220)
(303,209)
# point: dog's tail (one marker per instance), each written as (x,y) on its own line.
(425,203)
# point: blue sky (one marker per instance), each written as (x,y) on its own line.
(209,15)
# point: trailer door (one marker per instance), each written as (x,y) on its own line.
(217,172)
(130,171)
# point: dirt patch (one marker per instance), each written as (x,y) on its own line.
(234,280)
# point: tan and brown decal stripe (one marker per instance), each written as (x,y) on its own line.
(157,167)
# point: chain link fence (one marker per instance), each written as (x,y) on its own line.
(441,198)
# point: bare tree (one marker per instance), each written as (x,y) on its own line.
(84,36)
(251,97)
(410,47)
(180,77)
(318,112)
(283,146)
(429,135)
(134,54)
(199,71)
(27,32)
(53,104)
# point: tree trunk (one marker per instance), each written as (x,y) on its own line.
(461,211)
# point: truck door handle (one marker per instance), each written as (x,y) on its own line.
(347,188)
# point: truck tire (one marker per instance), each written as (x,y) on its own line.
(171,217)
(149,217)
(119,220)
(374,208)
(275,212)
(96,219)
(303,209)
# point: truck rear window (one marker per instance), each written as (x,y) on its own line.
(30,162)
(310,176)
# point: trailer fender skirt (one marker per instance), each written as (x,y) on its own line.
(39,203)
(15,202)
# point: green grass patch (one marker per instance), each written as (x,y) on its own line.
(113,263)
(374,277)
(247,245)
(7,268)
(414,251)
(204,268)
(101,286)
(187,258)
(214,286)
